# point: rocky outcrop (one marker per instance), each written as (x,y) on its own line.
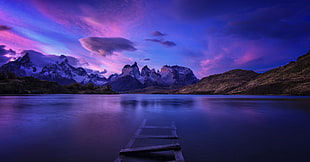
(150,77)
(169,76)
(131,70)
(177,75)
(125,83)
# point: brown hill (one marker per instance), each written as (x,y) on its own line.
(291,79)
(220,83)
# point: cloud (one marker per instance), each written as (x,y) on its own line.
(256,39)
(77,62)
(96,71)
(209,64)
(146,59)
(168,43)
(107,18)
(158,34)
(9,52)
(4,28)
(154,40)
(226,53)
(17,40)
(2,50)
(113,63)
(3,54)
(163,42)
(106,46)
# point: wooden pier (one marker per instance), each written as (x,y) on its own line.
(174,146)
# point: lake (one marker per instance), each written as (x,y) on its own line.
(210,128)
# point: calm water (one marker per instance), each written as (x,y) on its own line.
(211,128)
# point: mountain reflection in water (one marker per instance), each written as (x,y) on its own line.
(211,128)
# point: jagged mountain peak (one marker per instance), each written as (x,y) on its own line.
(25,59)
(59,69)
(168,76)
(178,75)
(52,68)
(37,58)
(40,60)
(63,58)
(145,67)
(131,66)
(165,68)
(131,70)
(145,70)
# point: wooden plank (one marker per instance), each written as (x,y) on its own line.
(159,127)
(142,125)
(174,133)
(132,140)
(118,159)
(178,156)
(157,136)
(174,146)
(177,153)
(151,148)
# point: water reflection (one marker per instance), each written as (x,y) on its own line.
(95,127)
(158,103)
(129,103)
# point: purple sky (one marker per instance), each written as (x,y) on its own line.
(210,37)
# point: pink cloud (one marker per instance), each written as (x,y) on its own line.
(107,18)
(209,64)
(225,54)
(108,30)
(251,50)
(17,42)
(113,63)
(247,57)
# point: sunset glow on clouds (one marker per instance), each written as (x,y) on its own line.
(208,36)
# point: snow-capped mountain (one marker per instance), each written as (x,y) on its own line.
(52,68)
(168,76)
(60,69)
(177,75)
(150,77)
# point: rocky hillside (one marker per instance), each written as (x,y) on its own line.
(221,83)
(291,79)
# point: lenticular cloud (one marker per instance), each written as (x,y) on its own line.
(106,46)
